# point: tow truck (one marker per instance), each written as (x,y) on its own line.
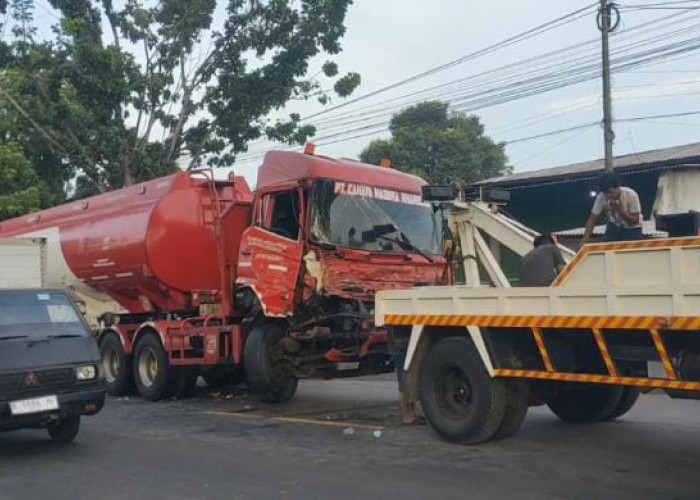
(621,319)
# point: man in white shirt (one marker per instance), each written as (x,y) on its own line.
(621,204)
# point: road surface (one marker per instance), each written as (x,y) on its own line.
(341,439)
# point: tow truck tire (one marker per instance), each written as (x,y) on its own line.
(630,395)
(116,366)
(269,384)
(155,378)
(461,401)
(65,430)
(586,404)
(517,403)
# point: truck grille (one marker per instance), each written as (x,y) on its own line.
(23,383)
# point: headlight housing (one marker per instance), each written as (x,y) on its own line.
(86,372)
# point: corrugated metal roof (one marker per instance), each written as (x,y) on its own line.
(677,154)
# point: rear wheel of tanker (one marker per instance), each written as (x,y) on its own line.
(116,366)
(630,395)
(155,378)
(517,403)
(264,368)
(461,401)
(586,404)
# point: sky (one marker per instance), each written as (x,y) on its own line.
(388,41)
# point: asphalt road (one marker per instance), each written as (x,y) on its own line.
(341,439)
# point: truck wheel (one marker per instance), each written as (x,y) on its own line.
(630,395)
(262,369)
(461,401)
(586,404)
(186,381)
(64,431)
(155,378)
(116,366)
(517,403)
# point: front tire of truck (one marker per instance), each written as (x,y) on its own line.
(587,404)
(517,404)
(264,372)
(116,366)
(155,378)
(461,401)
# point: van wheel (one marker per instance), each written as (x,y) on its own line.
(116,366)
(155,378)
(64,431)
(630,395)
(517,403)
(461,401)
(264,369)
(586,404)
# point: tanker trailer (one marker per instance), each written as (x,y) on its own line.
(186,273)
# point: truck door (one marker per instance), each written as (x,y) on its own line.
(271,250)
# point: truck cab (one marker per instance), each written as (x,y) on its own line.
(326,235)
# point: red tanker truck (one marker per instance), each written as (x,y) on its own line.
(187,273)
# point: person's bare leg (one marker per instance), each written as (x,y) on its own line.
(408,410)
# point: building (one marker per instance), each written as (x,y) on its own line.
(560,198)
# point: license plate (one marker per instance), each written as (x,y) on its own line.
(35,405)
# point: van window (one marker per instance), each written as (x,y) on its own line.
(38,315)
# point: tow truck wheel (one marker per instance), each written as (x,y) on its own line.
(630,395)
(517,403)
(586,404)
(155,378)
(263,370)
(461,401)
(116,366)
(64,431)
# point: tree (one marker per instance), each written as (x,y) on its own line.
(161,86)
(429,141)
(20,188)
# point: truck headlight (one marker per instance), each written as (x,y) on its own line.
(87,372)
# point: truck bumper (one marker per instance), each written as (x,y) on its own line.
(86,402)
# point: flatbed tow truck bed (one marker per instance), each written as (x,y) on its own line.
(622,317)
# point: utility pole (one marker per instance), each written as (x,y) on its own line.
(604,24)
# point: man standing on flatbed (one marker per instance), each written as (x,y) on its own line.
(622,207)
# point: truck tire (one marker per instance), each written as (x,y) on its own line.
(65,430)
(630,395)
(517,403)
(155,378)
(461,401)
(267,382)
(586,404)
(116,366)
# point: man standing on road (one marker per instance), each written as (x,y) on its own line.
(542,264)
(622,206)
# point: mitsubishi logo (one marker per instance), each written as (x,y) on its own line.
(31,379)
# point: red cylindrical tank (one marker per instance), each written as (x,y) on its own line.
(149,246)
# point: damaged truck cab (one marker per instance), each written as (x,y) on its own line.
(325,236)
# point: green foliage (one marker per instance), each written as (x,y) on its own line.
(429,141)
(20,188)
(130,90)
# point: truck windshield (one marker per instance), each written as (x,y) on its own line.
(371,218)
(38,315)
